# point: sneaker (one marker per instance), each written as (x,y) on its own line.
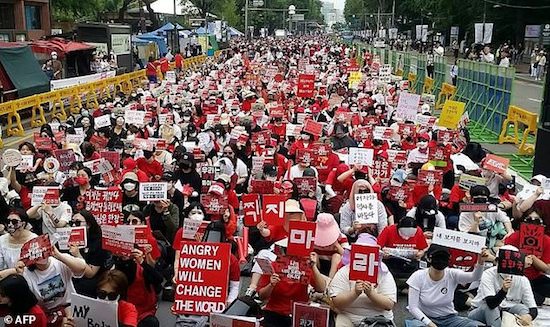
(250,292)
(546,301)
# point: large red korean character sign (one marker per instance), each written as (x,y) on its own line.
(273,209)
(301,238)
(251,209)
(364,263)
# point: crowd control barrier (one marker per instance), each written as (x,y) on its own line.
(447,92)
(69,100)
(516,117)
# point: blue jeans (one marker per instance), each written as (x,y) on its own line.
(492,317)
(453,320)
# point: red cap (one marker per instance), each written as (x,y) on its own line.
(129,163)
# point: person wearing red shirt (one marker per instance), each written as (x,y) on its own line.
(277,126)
(178,58)
(19,301)
(401,243)
(274,233)
(337,189)
(130,165)
(164,65)
(113,286)
(305,142)
(151,70)
(249,99)
(536,266)
(150,165)
(324,170)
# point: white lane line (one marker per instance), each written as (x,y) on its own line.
(535,100)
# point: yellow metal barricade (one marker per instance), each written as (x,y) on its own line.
(517,116)
(57,106)
(428,85)
(448,92)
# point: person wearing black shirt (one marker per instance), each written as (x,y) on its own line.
(187,173)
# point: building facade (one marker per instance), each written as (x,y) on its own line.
(22,20)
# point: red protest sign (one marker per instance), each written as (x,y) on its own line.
(37,249)
(262,137)
(119,240)
(105,205)
(99,142)
(43,143)
(304,315)
(293,269)
(202,279)
(382,169)
(113,157)
(446,136)
(531,238)
(306,85)
(213,204)
(51,197)
(78,237)
(65,157)
(273,209)
(397,158)
(277,112)
(307,186)
(406,129)
(439,156)
(399,193)
(305,156)
(496,163)
(313,127)
(208,175)
(363,133)
(262,186)
(430,177)
(364,263)
(301,238)
(321,153)
(251,209)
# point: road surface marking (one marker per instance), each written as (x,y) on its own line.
(536,100)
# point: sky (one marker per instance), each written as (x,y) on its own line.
(167,6)
(339,4)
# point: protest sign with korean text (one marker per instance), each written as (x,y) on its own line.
(458,240)
(87,311)
(105,205)
(478,207)
(382,169)
(213,204)
(12,157)
(310,315)
(495,163)
(467,181)
(262,186)
(202,278)
(134,117)
(439,156)
(451,114)
(313,127)
(273,209)
(430,177)
(360,156)
(66,157)
(102,121)
(38,194)
(301,238)
(364,263)
(510,262)
(293,269)
(382,133)
(119,240)
(366,208)
(36,249)
(251,209)
(98,166)
(111,156)
(307,186)
(153,191)
(407,107)
(72,236)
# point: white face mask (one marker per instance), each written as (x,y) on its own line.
(197,216)
(407,232)
(305,137)
(354,109)
(186,118)
(422,145)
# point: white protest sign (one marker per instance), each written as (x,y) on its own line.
(190,228)
(93,312)
(293,129)
(366,208)
(170,76)
(99,166)
(382,133)
(27,161)
(134,117)
(74,138)
(360,156)
(458,240)
(65,233)
(12,157)
(407,107)
(153,191)
(38,193)
(102,121)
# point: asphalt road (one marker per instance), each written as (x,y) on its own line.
(527,95)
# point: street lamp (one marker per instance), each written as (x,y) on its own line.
(291,13)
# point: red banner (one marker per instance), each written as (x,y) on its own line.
(202,279)
(273,209)
(251,209)
(313,127)
(531,238)
(105,205)
(306,85)
(113,157)
(301,238)
(364,263)
(213,204)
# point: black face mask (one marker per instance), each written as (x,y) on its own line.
(185,166)
(440,263)
(480,200)
(363,191)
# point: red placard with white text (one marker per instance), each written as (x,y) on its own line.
(496,163)
(293,269)
(304,315)
(313,127)
(251,209)
(105,205)
(36,249)
(202,279)
(364,263)
(430,177)
(301,238)
(306,85)
(273,212)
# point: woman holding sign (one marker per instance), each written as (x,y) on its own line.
(12,242)
(21,302)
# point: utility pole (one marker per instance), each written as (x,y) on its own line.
(393,14)
(246,19)
(484,18)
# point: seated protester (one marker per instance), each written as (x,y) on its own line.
(51,282)
(230,151)
(52,216)
(525,201)
(494,225)
(427,215)
(130,194)
(332,162)
(17,298)
(329,244)
(164,217)
(502,292)
(403,245)
(397,209)
(431,290)
(174,195)
(304,142)
(12,242)
(195,212)
(493,180)
(97,259)
(337,191)
(144,283)
(355,173)
(360,301)
(298,169)
(150,249)
(113,286)
(536,267)
(348,223)
(130,165)
(419,155)
(341,138)
(280,293)
(74,195)
(149,165)
(187,174)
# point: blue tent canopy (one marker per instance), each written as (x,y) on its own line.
(159,40)
(234,32)
(167,27)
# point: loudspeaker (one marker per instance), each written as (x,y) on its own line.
(542,153)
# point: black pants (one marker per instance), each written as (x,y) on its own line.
(150,321)
(430,70)
(401,268)
(541,289)
(273,319)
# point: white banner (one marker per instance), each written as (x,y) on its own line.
(407,107)
(483,36)
(68,82)
(93,312)
(422,32)
(458,240)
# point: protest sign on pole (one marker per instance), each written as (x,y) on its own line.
(105,205)
(304,315)
(273,209)
(72,236)
(366,208)
(89,311)
(407,106)
(306,85)
(511,262)
(301,238)
(153,191)
(35,250)
(364,263)
(202,278)
(458,240)
(360,156)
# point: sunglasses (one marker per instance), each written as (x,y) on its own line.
(134,222)
(228,152)
(106,295)
(14,222)
(75,223)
